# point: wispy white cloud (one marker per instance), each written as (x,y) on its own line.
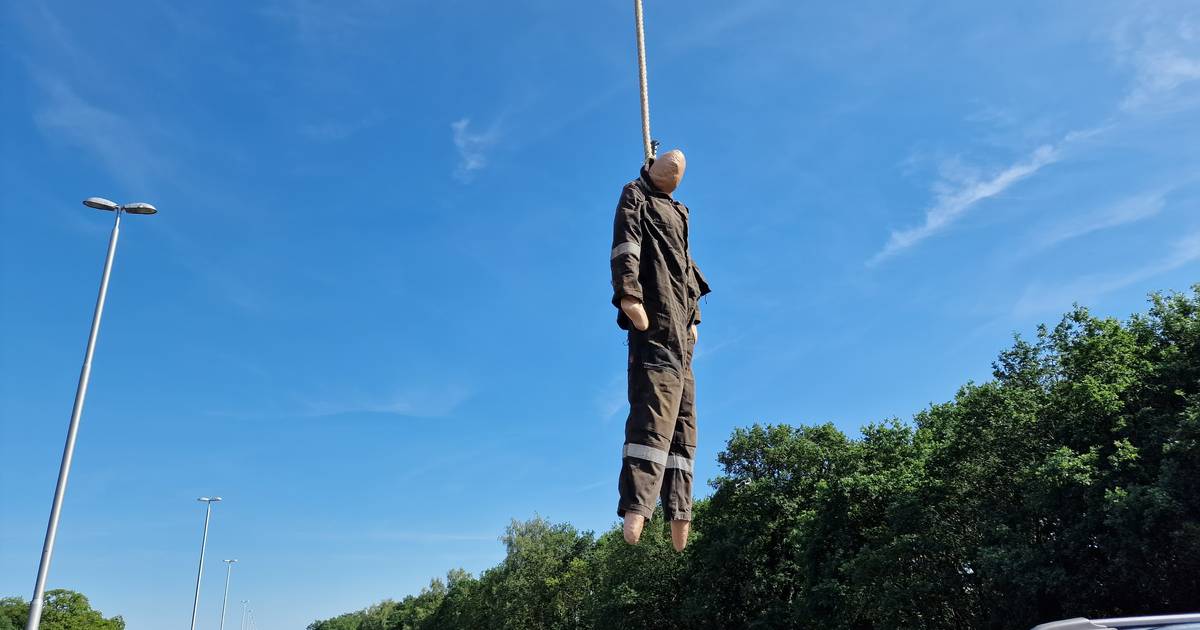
(50,37)
(1161,73)
(335,130)
(952,201)
(429,537)
(962,187)
(424,402)
(706,348)
(472,148)
(384,533)
(594,485)
(121,145)
(1164,54)
(1039,298)
(1163,51)
(613,399)
(714,27)
(1126,211)
(319,24)
(71,85)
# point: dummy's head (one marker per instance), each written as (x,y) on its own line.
(667,170)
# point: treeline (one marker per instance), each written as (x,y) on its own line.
(1068,485)
(61,610)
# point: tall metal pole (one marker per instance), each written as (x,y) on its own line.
(64,469)
(228,573)
(203,544)
(244,604)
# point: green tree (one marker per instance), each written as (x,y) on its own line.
(13,613)
(413,612)
(348,621)
(62,610)
(542,581)
(634,587)
(463,606)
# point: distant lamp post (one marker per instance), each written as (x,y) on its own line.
(244,604)
(64,469)
(228,573)
(203,543)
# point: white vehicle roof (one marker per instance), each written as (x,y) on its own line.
(1153,621)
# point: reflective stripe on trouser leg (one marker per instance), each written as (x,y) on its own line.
(647,453)
(654,396)
(677,480)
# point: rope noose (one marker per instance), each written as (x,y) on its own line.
(650,146)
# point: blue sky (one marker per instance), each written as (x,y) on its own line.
(373,311)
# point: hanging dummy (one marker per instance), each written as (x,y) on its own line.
(656,288)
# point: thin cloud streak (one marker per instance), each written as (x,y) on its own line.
(337,130)
(116,141)
(1124,212)
(432,402)
(319,25)
(383,534)
(613,399)
(1038,299)
(953,200)
(952,203)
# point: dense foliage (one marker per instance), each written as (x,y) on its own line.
(62,610)
(1068,485)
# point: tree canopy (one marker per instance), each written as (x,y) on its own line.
(62,610)
(1065,486)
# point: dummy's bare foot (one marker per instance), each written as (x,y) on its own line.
(636,312)
(679,533)
(633,527)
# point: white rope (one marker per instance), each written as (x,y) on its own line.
(641,47)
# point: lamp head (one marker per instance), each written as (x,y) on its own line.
(100,203)
(139,208)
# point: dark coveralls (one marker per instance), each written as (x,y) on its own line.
(650,262)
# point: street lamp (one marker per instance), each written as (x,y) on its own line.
(203,542)
(245,603)
(64,469)
(228,572)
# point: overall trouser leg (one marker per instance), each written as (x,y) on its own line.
(655,392)
(660,432)
(654,396)
(677,480)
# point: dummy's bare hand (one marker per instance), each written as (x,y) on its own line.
(636,313)
(695,333)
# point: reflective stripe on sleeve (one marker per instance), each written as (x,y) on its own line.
(642,451)
(626,248)
(680,462)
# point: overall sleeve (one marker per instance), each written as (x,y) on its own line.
(627,245)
